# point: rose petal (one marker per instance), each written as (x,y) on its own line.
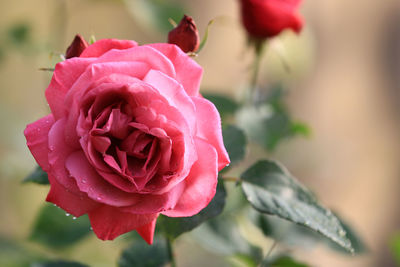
(36,135)
(76,205)
(64,76)
(188,72)
(59,152)
(200,185)
(207,114)
(174,93)
(102,46)
(156,203)
(109,222)
(94,185)
(147,231)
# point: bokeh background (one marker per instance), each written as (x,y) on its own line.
(345,83)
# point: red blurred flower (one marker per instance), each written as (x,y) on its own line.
(185,35)
(77,46)
(267,18)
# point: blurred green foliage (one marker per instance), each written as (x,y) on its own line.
(56,230)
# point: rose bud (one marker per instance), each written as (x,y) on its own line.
(77,46)
(185,35)
(267,18)
(129,137)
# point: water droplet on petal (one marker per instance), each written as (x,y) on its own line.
(98,198)
(84,181)
(67,214)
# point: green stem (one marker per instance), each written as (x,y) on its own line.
(271,249)
(170,252)
(259,48)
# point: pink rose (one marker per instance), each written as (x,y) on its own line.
(129,137)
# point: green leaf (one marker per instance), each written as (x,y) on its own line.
(156,13)
(272,190)
(38,176)
(59,263)
(19,33)
(221,235)
(174,227)
(357,243)
(293,234)
(282,261)
(56,230)
(140,254)
(13,254)
(269,122)
(225,105)
(395,248)
(235,143)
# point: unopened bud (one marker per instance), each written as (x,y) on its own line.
(185,35)
(77,46)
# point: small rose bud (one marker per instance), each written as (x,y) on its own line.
(77,46)
(185,35)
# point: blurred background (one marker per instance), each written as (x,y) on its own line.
(344,83)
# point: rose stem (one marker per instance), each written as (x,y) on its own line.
(271,249)
(170,252)
(259,48)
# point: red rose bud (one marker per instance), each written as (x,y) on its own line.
(77,46)
(267,18)
(185,35)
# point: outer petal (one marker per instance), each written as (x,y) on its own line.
(102,46)
(108,222)
(89,181)
(59,152)
(36,135)
(188,72)
(147,231)
(77,205)
(65,75)
(207,114)
(200,185)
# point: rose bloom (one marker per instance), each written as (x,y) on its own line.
(129,137)
(267,18)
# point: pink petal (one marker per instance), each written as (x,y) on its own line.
(209,128)
(156,203)
(64,76)
(36,135)
(188,72)
(89,181)
(153,58)
(174,93)
(76,205)
(147,231)
(59,152)
(109,222)
(102,46)
(200,185)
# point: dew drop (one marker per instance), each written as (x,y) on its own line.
(84,181)
(67,214)
(74,218)
(91,228)
(342,233)
(54,205)
(98,198)
(51,148)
